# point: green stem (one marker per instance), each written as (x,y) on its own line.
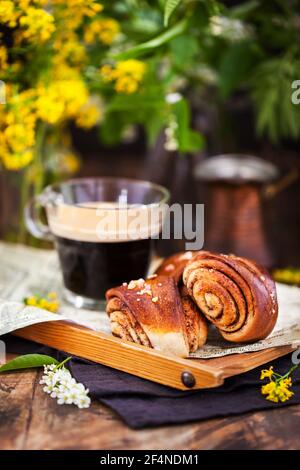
(277,375)
(285,376)
(290,371)
(59,366)
(25,192)
(38,182)
(40,138)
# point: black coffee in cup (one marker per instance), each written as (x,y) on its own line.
(101,244)
(90,268)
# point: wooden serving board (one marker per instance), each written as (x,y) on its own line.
(183,374)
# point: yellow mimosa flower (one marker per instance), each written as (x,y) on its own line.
(38,24)
(88,116)
(126,74)
(8,13)
(105,30)
(49,302)
(3,58)
(266,373)
(277,389)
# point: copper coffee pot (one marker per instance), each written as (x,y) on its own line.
(235,223)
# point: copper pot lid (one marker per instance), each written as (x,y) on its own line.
(236,168)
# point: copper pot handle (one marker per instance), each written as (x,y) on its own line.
(272,189)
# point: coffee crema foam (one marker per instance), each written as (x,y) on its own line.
(105,222)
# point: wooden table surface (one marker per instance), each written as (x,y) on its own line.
(30,419)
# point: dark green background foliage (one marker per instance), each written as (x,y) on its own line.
(195,46)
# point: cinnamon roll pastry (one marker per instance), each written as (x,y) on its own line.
(153,313)
(174,265)
(195,322)
(235,294)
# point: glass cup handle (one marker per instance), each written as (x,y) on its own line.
(33,222)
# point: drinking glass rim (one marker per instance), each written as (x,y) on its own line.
(52,188)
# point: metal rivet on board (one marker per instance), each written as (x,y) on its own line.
(188,379)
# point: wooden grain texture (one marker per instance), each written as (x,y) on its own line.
(30,419)
(123,355)
(235,364)
(142,361)
(16,398)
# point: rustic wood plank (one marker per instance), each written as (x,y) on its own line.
(30,419)
(65,427)
(16,395)
(55,427)
(285,429)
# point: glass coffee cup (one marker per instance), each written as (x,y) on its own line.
(103,229)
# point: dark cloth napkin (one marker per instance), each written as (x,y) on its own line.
(142,403)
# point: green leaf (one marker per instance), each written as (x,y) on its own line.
(242,11)
(170,7)
(276,115)
(110,131)
(28,361)
(266,114)
(235,66)
(194,142)
(184,49)
(154,124)
(188,140)
(158,41)
(134,102)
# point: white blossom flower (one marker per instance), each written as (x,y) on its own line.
(49,389)
(49,368)
(83,401)
(171,143)
(229,28)
(79,388)
(62,400)
(60,384)
(173,98)
(45,380)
